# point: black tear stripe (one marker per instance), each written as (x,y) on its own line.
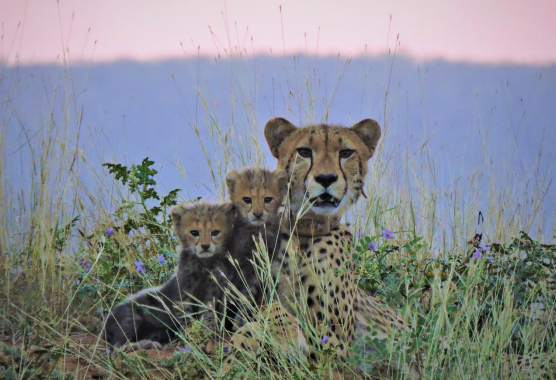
(344,175)
(288,165)
(306,175)
(290,189)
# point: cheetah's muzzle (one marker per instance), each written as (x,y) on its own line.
(325,200)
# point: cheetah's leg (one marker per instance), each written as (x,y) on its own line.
(375,321)
(145,344)
(281,326)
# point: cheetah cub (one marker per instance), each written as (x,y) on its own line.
(257,194)
(153,316)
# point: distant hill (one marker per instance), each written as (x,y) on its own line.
(135,109)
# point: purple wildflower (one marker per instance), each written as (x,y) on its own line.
(324,339)
(186,349)
(95,280)
(140,267)
(484,248)
(491,259)
(388,234)
(477,254)
(372,246)
(226,348)
(109,232)
(85,263)
(160,259)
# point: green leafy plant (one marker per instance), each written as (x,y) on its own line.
(140,181)
(138,249)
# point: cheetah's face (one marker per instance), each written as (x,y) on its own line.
(257,193)
(327,164)
(205,229)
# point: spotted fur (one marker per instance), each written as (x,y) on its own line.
(326,166)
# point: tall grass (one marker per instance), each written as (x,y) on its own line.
(56,204)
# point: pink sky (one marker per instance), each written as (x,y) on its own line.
(520,31)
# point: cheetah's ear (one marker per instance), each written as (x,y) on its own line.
(368,131)
(177,212)
(281,179)
(231,180)
(275,132)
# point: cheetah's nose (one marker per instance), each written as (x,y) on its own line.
(258,214)
(326,179)
(205,246)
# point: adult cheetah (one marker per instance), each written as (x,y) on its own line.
(327,167)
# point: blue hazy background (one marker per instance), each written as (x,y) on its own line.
(459,113)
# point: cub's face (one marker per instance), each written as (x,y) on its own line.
(204,228)
(257,193)
(327,164)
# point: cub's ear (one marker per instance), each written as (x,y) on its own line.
(281,179)
(231,180)
(275,132)
(368,131)
(227,208)
(177,212)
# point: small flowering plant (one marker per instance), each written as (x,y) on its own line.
(139,272)
(373,253)
(477,254)
(387,234)
(114,261)
(140,268)
(136,247)
(86,264)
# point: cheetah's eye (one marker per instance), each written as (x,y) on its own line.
(215,233)
(267,200)
(304,152)
(247,200)
(346,153)
(194,233)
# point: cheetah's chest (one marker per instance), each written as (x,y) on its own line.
(317,274)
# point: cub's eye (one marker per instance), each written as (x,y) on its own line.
(267,200)
(346,153)
(215,233)
(304,152)
(194,233)
(247,200)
